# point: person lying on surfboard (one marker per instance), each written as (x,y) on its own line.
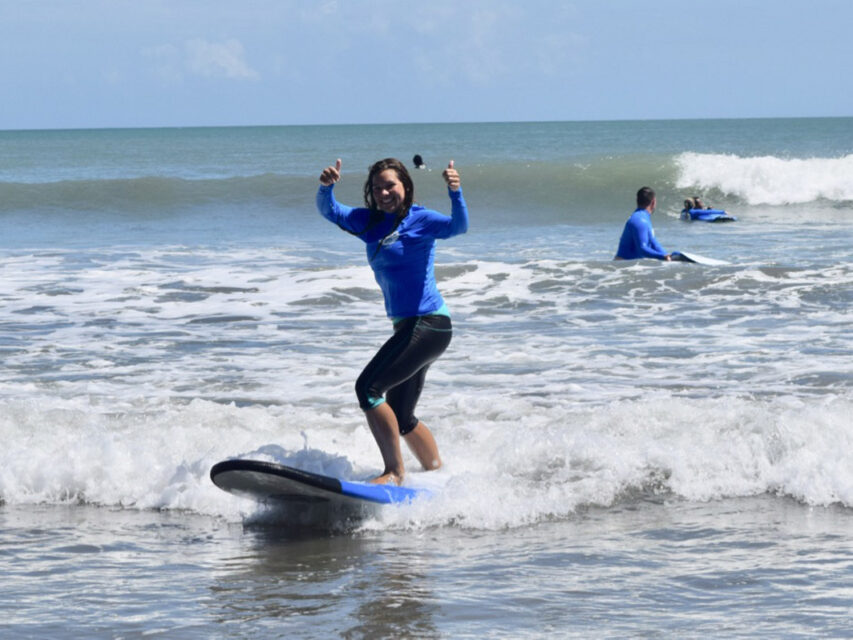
(400,238)
(638,237)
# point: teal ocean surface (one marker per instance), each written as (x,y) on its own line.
(632,449)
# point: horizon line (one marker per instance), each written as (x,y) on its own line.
(411,123)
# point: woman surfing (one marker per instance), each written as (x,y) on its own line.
(400,244)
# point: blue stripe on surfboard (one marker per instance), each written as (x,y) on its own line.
(384,493)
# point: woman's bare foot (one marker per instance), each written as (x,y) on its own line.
(388,477)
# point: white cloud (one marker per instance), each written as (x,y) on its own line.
(201,58)
(218,60)
(329,7)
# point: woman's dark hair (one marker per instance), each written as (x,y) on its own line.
(402,173)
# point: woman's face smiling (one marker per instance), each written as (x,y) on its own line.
(388,192)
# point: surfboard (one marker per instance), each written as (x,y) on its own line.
(695,257)
(707,215)
(276,483)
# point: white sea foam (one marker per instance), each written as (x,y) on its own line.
(509,462)
(258,326)
(768,180)
(128,373)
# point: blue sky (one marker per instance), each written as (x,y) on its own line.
(144,63)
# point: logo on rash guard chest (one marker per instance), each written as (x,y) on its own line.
(390,239)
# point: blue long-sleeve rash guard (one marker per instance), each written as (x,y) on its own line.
(638,238)
(404,266)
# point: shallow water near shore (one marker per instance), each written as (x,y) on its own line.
(749,567)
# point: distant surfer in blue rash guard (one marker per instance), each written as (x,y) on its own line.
(400,238)
(638,237)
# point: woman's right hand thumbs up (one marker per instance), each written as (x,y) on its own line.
(331,175)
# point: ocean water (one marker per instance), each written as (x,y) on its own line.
(632,449)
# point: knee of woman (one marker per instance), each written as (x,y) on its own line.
(407,426)
(360,390)
(367,399)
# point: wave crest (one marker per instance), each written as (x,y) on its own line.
(152,193)
(768,180)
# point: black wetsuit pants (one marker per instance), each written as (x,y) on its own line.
(399,368)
